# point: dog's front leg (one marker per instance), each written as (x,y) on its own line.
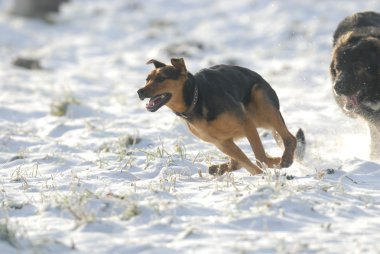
(220,169)
(237,156)
(375,142)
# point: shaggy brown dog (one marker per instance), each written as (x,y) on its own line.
(355,71)
(220,104)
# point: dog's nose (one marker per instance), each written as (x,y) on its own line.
(338,88)
(141,94)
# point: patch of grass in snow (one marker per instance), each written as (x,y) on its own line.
(21,155)
(11,234)
(160,151)
(121,145)
(17,157)
(86,206)
(22,173)
(153,153)
(131,211)
(131,207)
(129,140)
(13,204)
(123,148)
(59,107)
(180,149)
(76,204)
(7,233)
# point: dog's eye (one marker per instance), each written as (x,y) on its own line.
(160,79)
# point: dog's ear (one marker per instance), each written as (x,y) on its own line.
(179,64)
(156,63)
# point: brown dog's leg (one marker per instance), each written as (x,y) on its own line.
(288,139)
(257,146)
(268,115)
(223,168)
(231,149)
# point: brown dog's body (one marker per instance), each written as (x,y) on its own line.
(355,71)
(221,104)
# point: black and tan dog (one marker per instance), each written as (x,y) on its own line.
(355,71)
(220,104)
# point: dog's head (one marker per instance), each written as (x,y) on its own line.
(355,70)
(164,85)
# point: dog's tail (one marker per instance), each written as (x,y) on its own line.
(301,145)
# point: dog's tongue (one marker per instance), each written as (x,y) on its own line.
(153,101)
(353,99)
(150,104)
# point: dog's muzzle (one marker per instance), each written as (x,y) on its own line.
(141,93)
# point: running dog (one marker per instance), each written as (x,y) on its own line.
(355,71)
(220,104)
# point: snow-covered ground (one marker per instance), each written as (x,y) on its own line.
(110,177)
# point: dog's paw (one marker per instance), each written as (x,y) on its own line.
(218,170)
(273,162)
(286,162)
(213,170)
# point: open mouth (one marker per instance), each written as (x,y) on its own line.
(158,101)
(353,101)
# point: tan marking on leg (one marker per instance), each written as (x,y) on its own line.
(231,149)
(257,146)
(265,114)
(289,141)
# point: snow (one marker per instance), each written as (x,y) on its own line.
(110,177)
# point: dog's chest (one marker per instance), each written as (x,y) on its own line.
(223,128)
(375,106)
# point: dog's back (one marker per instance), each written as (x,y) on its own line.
(227,86)
(361,20)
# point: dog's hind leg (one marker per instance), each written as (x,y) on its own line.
(237,156)
(301,144)
(257,146)
(267,115)
(288,139)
